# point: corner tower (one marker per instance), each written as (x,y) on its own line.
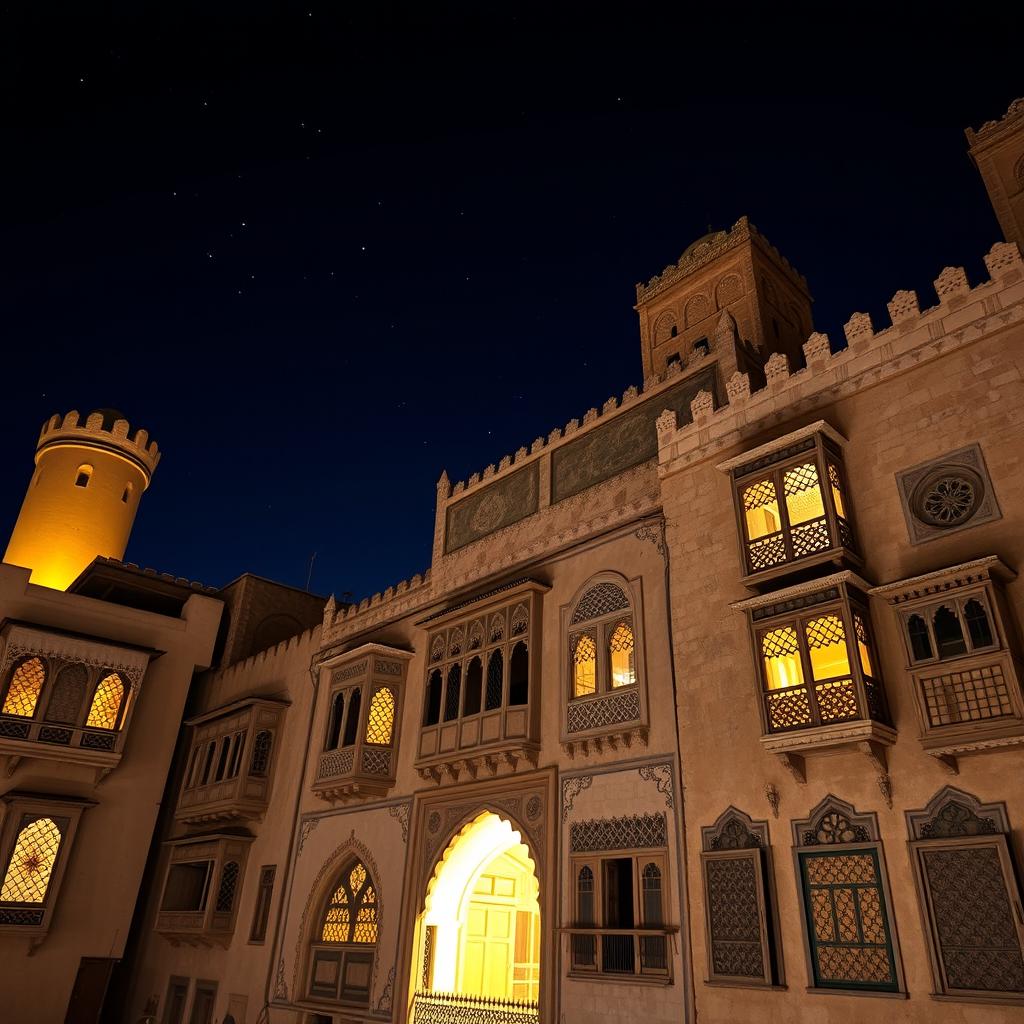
(997,149)
(82,497)
(731,294)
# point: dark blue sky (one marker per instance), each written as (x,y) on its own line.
(321,257)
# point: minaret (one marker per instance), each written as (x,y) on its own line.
(82,497)
(997,149)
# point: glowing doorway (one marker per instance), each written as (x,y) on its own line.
(478,935)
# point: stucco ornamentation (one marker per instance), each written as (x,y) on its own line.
(662,776)
(571,788)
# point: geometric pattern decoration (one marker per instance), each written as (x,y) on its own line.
(381,717)
(351,914)
(228,885)
(456,1008)
(847,924)
(601,599)
(612,709)
(26,684)
(969,695)
(633,832)
(954,814)
(68,694)
(106,702)
(734,916)
(834,821)
(31,864)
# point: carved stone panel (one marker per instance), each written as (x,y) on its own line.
(505,502)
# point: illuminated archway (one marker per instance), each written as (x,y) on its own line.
(478,933)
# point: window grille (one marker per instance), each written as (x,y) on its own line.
(620,648)
(380,719)
(104,713)
(67,695)
(259,764)
(32,861)
(351,914)
(352,722)
(601,599)
(474,687)
(584,666)
(23,691)
(495,680)
(226,890)
(452,693)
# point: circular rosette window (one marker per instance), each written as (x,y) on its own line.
(948,496)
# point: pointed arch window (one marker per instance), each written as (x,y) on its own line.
(602,642)
(109,703)
(953,628)
(380,720)
(352,722)
(24,687)
(32,861)
(342,960)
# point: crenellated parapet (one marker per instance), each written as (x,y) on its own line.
(962,316)
(101,429)
(393,602)
(1013,116)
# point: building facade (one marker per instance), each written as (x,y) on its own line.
(708,707)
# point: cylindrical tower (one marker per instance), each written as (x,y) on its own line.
(82,497)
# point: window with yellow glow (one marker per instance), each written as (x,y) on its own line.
(761,509)
(826,643)
(31,864)
(781,653)
(351,915)
(620,651)
(835,484)
(381,719)
(584,666)
(106,703)
(863,644)
(803,494)
(23,692)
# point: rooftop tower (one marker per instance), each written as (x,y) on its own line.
(83,496)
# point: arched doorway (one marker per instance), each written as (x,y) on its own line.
(478,930)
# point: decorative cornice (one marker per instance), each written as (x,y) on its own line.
(799,589)
(945,579)
(990,129)
(770,447)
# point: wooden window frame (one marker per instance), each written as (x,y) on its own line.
(180,981)
(642,928)
(263,904)
(956,602)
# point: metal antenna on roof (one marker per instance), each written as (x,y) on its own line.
(309,575)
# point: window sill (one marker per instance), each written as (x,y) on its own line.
(1011,999)
(753,986)
(871,993)
(620,979)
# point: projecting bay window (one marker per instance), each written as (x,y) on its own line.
(957,635)
(817,667)
(363,702)
(199,900)
(792,504)
(480,705)
(35,841)
(229,768)
(620,916)
(66,698)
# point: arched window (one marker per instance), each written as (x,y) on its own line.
(602,651)
(259,764)
(495,680)
(978,627)
(474,687)
(380,721)
(584,660)
(432,705)
(31,864)
(351,914)
(920,641)
(585,897)
(83,476)
(334,725)
(67,695)
(452,693)
(352,722)
(949,637)
(26,683)
(651,879)
(107,702)
(226,890)
(519,675)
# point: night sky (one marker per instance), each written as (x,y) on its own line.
(322,256)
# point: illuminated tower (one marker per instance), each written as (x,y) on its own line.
(82,498)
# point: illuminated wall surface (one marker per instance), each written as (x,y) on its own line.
(81,503)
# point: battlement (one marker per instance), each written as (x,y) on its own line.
(702,252)
(266,656)
(1013,116)
(394,601)
(103,429)
(963,315)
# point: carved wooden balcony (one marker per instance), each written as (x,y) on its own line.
(364,695)
(66,698)
(230,766)
(202,885)
(816,662)
(792,505)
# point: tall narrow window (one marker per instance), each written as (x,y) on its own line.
(352,721)
(452,693)
(380,719)
(519,675)
(584,947)
(584,666)
(23,690)
(835,485)
(495,680)
(222,760)
(226,890)
(351,914)
(474,687)
(651,879)
(126,494)
(264,896)
(781,654)
(68,695)
(105,711)
(620,652)
(432,705)
(259,764)
(31,865)
(949,637)
(978,627)
(761,510)
(334,725)
(211,753)
(920,641)
(826,642)
(803,494)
